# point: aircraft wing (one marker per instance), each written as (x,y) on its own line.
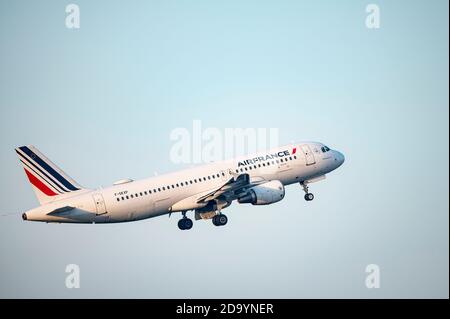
(233,186)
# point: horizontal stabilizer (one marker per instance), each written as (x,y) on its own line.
(60,210)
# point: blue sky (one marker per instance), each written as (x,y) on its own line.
(101,102)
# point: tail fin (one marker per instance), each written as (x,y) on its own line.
(48,180)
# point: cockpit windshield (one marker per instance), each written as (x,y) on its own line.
(325,149)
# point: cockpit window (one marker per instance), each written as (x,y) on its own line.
(325,149)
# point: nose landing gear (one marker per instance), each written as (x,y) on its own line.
(308,196)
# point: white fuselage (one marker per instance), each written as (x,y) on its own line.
(135,200)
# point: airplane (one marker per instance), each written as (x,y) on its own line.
(206,190)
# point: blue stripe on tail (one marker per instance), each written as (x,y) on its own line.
(48,168)
(25,160)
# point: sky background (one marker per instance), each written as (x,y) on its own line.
(102,100)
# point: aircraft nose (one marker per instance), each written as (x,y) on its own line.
(24,216)
(339,158)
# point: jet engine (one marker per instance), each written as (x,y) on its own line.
(263,194)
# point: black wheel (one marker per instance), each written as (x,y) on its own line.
(222,220)
(188,223)
(214,220)
(181,224)
(309,197)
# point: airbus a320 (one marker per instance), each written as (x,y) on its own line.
(206,190)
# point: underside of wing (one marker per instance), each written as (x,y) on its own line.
(231,188)
(207,203)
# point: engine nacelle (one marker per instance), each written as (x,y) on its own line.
(263,194)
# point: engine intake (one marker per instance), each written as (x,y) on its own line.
(263,194)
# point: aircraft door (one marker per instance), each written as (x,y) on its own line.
(309,156)
(99,204)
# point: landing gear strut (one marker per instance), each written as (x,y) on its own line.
(220,220)
(308,196)
(185,223)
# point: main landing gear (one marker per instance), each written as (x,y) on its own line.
(185,223)
(220,220)
(308,196)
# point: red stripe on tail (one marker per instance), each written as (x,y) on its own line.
(42,187)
